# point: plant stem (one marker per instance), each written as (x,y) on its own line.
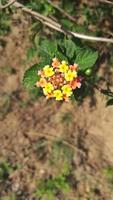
(56,26)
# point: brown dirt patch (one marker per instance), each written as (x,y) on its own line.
(88,128)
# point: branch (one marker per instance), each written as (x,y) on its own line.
(58,27)
(7,5)
(36,15)
(106,1)
(62,11)
(104,91)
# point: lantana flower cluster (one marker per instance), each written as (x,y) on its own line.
(59,80)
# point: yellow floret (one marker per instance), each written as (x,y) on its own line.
(63,67)
(64,62)
(70,75)
(58,95)
(67,90)
(48,88)
(48,71)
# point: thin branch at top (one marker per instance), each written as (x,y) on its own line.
(106,1)
(57,26)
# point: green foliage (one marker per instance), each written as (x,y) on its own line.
(108,171)
(4,22)
(61,56)
(109,102)
(64,50)
(36,41)
(61,157)
(70,48)
(47,50)
(35,94)
(69,7)
(86,58)
(58,154)
(41,6)
(31,53)
(5,170)
(87,88)
(50,187)
(49,47)
(31,77)
(67,24)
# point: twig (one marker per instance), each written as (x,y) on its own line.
(7,5)
(87,37)
(109,33)
(106,1)
(58,27)
(103,91)
(61,11)
(36,14)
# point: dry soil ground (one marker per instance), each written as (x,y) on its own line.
(89,128)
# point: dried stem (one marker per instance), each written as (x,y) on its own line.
(106,1)
(56,26)
(103,91)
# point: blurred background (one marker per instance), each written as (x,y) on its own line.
(51,150)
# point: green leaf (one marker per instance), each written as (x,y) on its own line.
(48,9)
(35,93)
(80,28)
(50,48)
(31,77)
(61,56)
(47,51)
(70,48)
(36,41)
(109,102)
(45,58)
(86,58)
(66,23)
(109,172)
(69,6)
(31,53)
